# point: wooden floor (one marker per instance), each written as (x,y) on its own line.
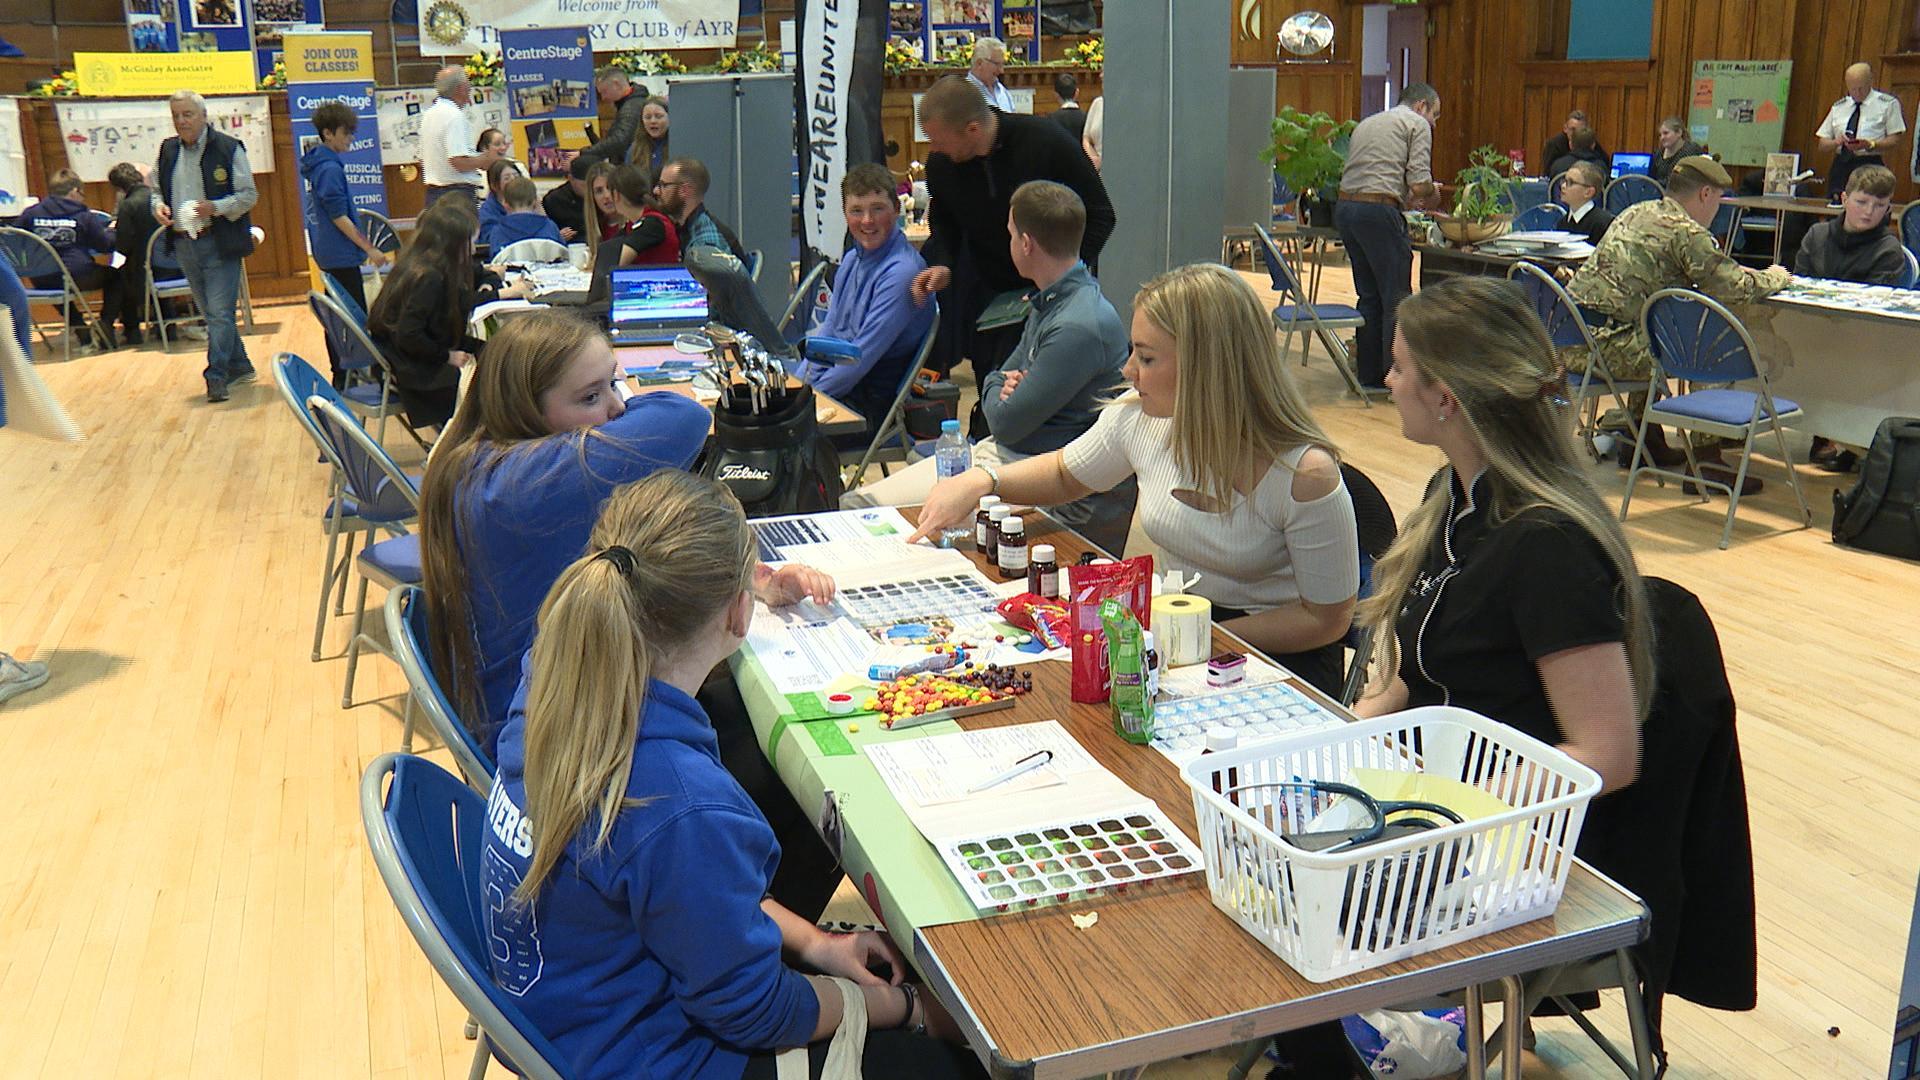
(185,888)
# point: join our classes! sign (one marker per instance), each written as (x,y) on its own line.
(460,27)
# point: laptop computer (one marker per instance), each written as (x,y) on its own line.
(1637,164)
(650,304)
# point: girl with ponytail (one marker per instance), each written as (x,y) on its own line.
(631,871)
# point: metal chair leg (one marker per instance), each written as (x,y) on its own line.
(353,644)
(1513,1026)
(1249,1057)
(326,590)
(1793,475)
(482,1057)
(1476,1034)
(406,733)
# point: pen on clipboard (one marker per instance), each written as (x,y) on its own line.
(1037,759)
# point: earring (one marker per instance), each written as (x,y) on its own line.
(1442,418)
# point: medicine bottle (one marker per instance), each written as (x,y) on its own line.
(1013,548)
(1043,573)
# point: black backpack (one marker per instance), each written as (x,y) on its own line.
(775,461)
(1882,512)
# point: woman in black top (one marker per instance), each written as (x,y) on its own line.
(1511,591)
(133,225)
(419,320)
(1674,145)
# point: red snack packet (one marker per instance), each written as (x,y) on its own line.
(1046,619)
(1131,582)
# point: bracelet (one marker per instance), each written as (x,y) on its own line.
(912,996)
(993,475)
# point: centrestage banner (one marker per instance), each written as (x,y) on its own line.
(549,93)
(462,27)
(842,57)
(157,74)
(362,159)
(101,134)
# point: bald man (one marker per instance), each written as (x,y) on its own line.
(1859,129)
(448,161)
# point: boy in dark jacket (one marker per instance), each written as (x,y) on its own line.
(133,226)
(523,219)
(76,234)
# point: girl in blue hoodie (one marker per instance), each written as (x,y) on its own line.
(631,871)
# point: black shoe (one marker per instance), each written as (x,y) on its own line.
(245,374)
(1823,451)
(1843,462)
(216,390)
(132,337)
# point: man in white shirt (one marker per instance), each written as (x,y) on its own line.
(1859,128)
(989,60)
(448,160)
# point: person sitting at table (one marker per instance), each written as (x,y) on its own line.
(646,237)
(602,217)
(1580,192)
(1511,590)
(496,142)
(652,141)
(1047,394)
(1653,245)
(566,204)
(512,489)
(1582,146)
(1562,141)
(870,306)
(523,220)
(1856,246)
(1674,145)
(77,232)
(633,922)
(493,207)
(420,318)
(1237,481)
(133,226)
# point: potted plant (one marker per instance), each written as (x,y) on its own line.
(1307,151)
(1482,198)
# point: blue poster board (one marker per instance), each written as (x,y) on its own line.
(550,94)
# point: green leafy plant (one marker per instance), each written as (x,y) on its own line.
(1485,188)
(1308,149)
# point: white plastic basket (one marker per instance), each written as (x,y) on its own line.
(1330,914)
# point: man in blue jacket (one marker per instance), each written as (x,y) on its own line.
(523,219)
(871,306)
(76,233)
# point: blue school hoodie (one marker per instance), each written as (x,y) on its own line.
(491,211)
(523,513)
(327,198)
(517,226)
(74,230)
(649,957)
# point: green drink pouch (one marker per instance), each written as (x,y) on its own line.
(1127,660)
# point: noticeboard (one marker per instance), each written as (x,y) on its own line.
(1738,109)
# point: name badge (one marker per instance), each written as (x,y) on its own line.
(219,175)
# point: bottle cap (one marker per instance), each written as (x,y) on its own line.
(1012,524)
(988,502)
(1221,738)
(1042,552)
(949,427)
(1146,641)
(999,512)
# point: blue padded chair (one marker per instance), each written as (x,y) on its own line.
(1910,279)
(755,259)
(1632,188)
(1910,227)
(1553,188)
(407,633)
(802,311)
(1540,218)
(1295,313)
(166,281)
(31,257)
(1373,517)
(346,303)
(1728,227)
(297,382)
(1696,339)
(381,234)
(371,478)
(890,431)
(426,832)
(1283,194)
(1568,330)
(371,393)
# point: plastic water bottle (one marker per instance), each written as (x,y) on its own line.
(951,457)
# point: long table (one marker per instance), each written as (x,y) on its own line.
(1847,365)
(1164,973)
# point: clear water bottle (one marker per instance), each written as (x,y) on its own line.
(952,456)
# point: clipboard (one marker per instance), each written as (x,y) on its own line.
(1010,308)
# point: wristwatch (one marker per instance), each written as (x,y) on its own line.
(992,475)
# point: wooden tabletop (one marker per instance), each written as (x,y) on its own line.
(1164,972)
(1792,204)
(833,416)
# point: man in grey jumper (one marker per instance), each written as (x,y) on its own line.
(1068,361)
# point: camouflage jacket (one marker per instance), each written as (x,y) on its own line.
(1651,246)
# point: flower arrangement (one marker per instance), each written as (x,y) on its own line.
(761,57)
(1090,52)
(902,56)
(66,84)
(275,79)
(484,69)
(961,56)
(642,62)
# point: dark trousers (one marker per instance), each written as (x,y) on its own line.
(1376,239)
(89,278)
(889,1053)
(350,282)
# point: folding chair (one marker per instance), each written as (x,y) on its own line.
(894,424)
(1294,309)
(370,478)
(1568,330)
(1538,218)
(1632,188)
(31,257)
(1696,339)
(1374,517)
(1553,188)
(407,633)
(381,234)
(532,250)
(246,290)
(426,832)
(754,259)
(1910,227)
(331,289)
(166,281)
(803,299)
(297,381)
(357,353)
(1911,278)
(1728,228)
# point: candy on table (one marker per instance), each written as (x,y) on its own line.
(914,695)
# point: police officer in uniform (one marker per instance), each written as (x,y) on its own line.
(1860,127)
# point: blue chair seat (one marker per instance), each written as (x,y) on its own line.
(397,560)
(1326,312)
(46,296)
(1720,406)
(365,395)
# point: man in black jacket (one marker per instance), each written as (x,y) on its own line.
(979,156)
(611,84)
(1561,144)
(566,204)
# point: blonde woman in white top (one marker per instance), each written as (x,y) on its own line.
(1237,482)
(1092,137)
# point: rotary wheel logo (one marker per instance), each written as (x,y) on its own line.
(101,75)
(447,22)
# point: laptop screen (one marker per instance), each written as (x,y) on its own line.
(1631,163)
(645,296)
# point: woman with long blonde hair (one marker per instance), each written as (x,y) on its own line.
(1511,590)
(633,872)
(1237,481)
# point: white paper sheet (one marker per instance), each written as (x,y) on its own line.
(840,539)
(805,649)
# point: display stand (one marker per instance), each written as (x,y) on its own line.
(730,123)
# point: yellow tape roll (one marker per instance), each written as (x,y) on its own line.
(1183,628)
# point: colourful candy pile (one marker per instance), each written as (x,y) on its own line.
(915,695)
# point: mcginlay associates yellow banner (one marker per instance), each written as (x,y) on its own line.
(160,74)
(332,56)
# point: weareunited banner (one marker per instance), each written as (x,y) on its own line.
(365,184)
(550,94)
(461,27)
(842,45)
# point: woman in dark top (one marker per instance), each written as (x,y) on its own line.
(649,149)
(649,237)
(419,320)
(133,225)
(1511,591)
(1674,145)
